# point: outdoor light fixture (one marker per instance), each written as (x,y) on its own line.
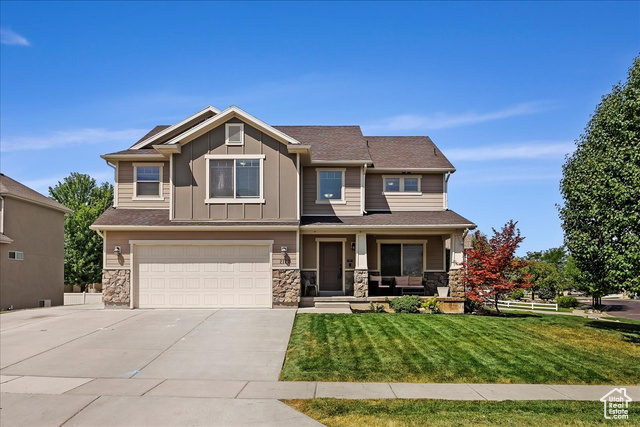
(283,249)
(353,246)
(116,250)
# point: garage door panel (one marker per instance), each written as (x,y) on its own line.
(203,276)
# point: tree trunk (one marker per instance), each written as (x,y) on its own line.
(496,303)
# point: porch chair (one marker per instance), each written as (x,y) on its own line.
(307,285)
(400,283)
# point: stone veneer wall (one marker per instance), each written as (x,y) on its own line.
(361,284)
(456,283)
(116,288)
(286,287)
(433,280)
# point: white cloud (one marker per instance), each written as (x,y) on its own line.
(71,137)
(407,122)
(10,38)
(528,150)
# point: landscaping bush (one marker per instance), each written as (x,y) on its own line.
(567,302)
(406,304)
(432,306)
(547,293)
(517,294)
(376,308)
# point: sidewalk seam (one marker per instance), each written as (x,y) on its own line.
(242,389)
(155,386)
(81,409)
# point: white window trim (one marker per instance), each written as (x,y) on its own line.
(226,134)
(16,255)
(402,242)
(135,181)
(401,179)
(342,200)
(234,199)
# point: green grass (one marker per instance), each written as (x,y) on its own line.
(399,412)
(514,348)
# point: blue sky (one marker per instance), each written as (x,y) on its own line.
(502,88)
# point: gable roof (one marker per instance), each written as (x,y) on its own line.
(12,188)
(407,152)
(331,143)
(170,131)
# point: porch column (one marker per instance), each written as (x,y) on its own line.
(361,273)
(456,284)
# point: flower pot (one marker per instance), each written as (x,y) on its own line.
(443,291)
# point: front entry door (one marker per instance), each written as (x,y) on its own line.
(331,266)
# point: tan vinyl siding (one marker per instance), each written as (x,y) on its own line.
(123,238)
(125,188)
(279,178)
(430,199)
(352,194)
(435,249)
(310,249)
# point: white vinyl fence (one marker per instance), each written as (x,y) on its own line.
(82,298)
(527,305)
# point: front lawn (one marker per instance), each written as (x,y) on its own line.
(515,348)
(400,412)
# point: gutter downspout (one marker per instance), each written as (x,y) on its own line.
(446,189)
(364,190)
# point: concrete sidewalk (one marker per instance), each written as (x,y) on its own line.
(300,389)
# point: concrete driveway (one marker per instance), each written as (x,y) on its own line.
(89,366)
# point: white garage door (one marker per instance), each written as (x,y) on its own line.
(211,276)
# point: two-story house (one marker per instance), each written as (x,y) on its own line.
(224,210)
(31,247)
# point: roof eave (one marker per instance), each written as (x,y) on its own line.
(121,157)
(401,169)
(60,208)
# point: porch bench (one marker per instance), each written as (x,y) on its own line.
(410,285)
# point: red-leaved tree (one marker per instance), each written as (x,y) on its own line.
(491,268)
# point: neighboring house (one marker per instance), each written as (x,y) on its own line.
(224,210)
(31,247)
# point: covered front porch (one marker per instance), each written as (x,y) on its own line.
(377,264)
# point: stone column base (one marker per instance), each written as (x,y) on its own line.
(361,283)
(116,288)
(456,283)
(286,288)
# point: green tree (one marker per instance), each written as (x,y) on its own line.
(601,192)
(545,279)
(82,246)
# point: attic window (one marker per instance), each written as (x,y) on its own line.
(234,133)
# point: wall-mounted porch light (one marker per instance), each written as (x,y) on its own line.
(116,250)
(283,250)
(353,246)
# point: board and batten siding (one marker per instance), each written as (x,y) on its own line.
(352,194)
(124,182)
(190,175)
(122,239)
(432,197)
(435,249)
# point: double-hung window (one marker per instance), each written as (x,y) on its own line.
(401,185)
(148,181)
(330,185)
(235,179)
(402,258)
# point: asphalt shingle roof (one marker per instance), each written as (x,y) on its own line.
(11,187)
(419,152)
(434,218)
(331,143)
(160,217)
